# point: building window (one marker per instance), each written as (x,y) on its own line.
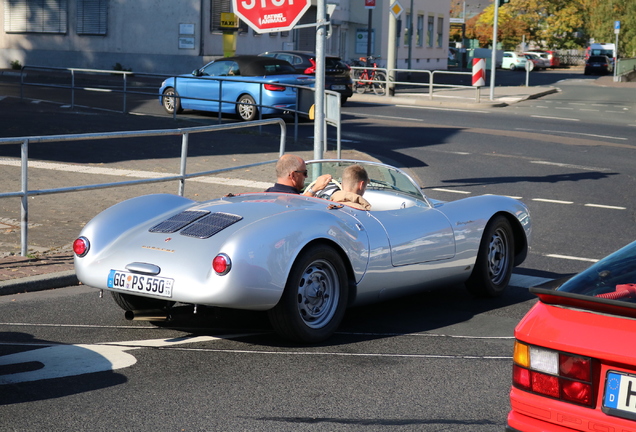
(217,7)
(429,33)
(92,17)
(420,30)
(440,31)
(35,16)
(407,30)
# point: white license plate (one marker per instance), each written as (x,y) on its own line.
(620,395)
(140,284)
(337,87)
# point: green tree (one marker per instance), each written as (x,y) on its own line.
(599,24)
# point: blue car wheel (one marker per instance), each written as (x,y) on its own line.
(171,101)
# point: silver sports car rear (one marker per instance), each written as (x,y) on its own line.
(303,259)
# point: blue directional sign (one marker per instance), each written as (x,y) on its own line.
(617,26)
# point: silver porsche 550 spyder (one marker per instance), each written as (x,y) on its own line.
(303,259)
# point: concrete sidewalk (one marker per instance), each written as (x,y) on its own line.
(54,269)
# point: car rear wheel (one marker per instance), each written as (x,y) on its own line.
(246,108)
(135,303)
(512,67)
(315,297)
(170,102)
(493,266)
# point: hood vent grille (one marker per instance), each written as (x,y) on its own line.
(179,221)
(209,225)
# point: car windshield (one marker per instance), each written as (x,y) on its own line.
(381,177)
(608,286)
(615,275)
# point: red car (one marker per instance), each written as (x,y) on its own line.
(575,353)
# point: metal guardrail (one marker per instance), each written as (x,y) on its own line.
(430,83)
(74,73)
(24,142)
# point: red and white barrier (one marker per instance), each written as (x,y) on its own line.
(479,72)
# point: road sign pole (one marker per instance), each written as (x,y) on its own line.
(319,94)
(617,30)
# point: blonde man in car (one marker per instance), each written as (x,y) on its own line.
(354,182)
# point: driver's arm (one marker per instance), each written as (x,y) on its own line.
(320,184)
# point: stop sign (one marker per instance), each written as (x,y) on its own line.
(266,16)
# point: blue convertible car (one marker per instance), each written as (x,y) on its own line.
(235,85)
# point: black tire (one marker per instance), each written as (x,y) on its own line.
(379,83)
(343,100)
(512,67)
(315,297)
(170,102)
(131,302)
(495,259)
(246,108)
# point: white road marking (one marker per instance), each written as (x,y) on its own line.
(564,165)
(552,201)
(524,281)
(87,169)
(80,359)
(451,191)
(443,109)
(606,206)
(567,257)
(555,118)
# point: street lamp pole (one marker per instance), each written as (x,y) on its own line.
(493,57)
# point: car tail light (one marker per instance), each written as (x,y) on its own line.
(81,246)
(311,69)
(274,87)
(221,264)
(554,374)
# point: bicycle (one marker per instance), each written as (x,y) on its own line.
(369,79)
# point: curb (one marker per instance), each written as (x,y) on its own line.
(39,283)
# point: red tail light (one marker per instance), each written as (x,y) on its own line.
(221,264)
(274,87)
(311,69)
(554,374)
(81,246)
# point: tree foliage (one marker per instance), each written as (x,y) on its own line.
(557,24)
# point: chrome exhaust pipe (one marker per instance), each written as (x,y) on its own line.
(148,315)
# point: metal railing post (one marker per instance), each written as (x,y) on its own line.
(125,88)
(24,211)
(72,89)
(184,158)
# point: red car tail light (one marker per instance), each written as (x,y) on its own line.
(554,374)
(222,264)
(274,87)
(311,69)
(81,246)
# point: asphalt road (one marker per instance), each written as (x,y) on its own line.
(438,361)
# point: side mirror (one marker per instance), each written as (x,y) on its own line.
(196,72)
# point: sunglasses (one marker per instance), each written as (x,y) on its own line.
(302,172)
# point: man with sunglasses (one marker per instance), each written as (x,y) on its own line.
(291,173)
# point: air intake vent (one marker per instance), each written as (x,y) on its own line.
(209,225)
(177,222)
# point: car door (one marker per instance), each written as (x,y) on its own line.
(205,88)
(417,234)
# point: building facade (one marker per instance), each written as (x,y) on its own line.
(173,36)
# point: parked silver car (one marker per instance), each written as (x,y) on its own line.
(302,259)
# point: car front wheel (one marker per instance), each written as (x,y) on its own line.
(315,297)
(171,101)
(493,266)
(246,108)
